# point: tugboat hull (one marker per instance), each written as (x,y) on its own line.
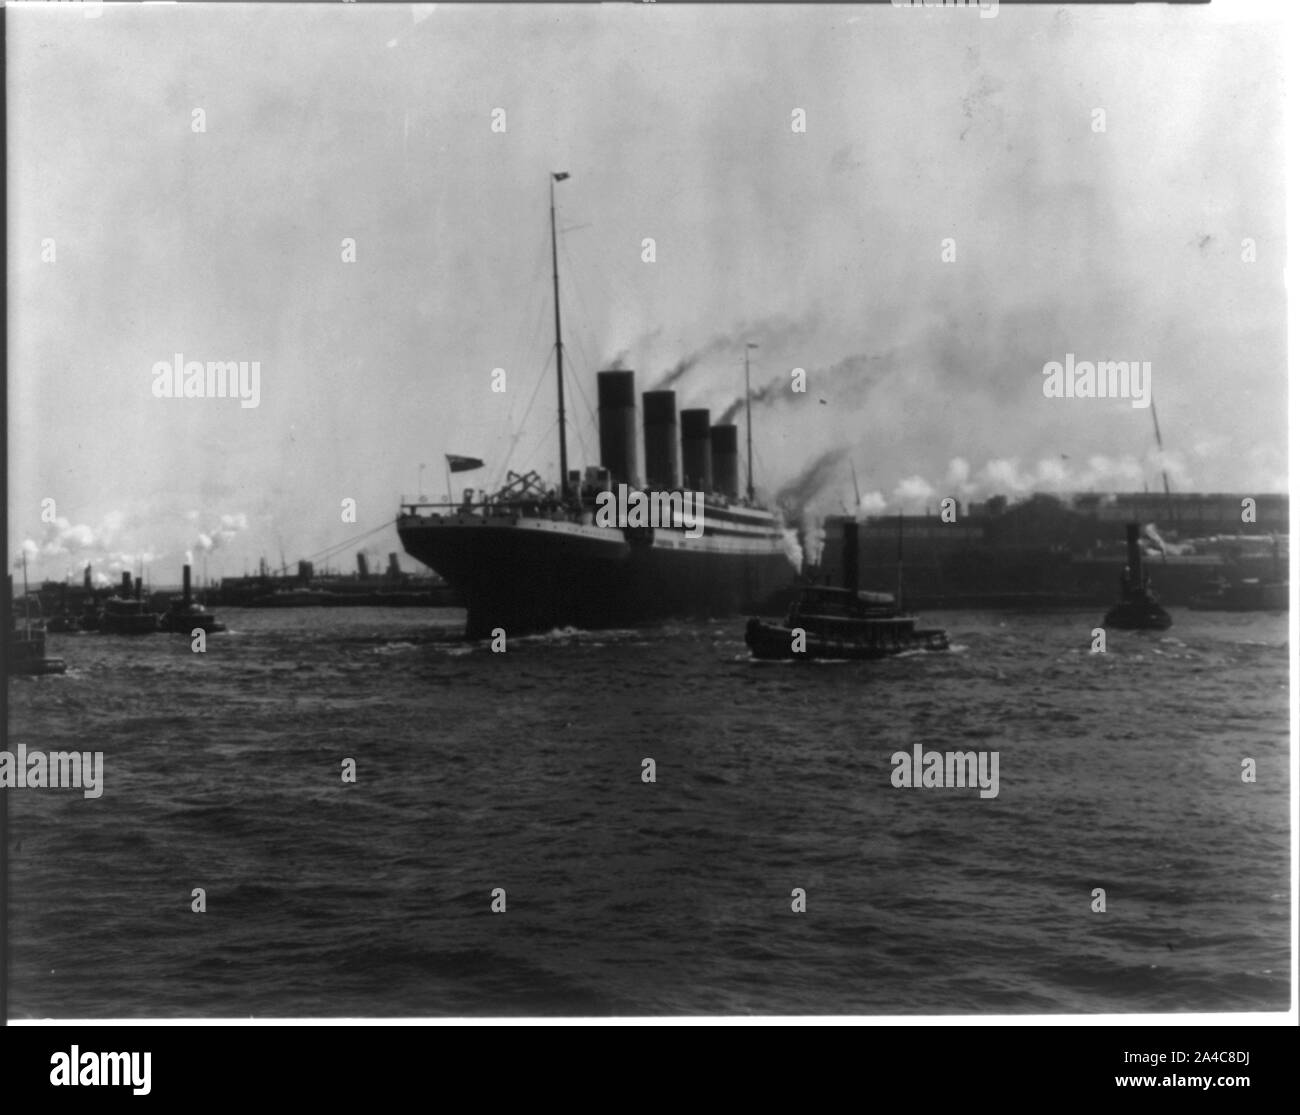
(774,641)
(184,624)
(1139,616)
(144,623)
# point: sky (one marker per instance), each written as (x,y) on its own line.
(188,179)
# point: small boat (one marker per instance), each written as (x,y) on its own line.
(25,653)
(185,614)
(126,614)
(1138,608)
(842,623)
(1247,595)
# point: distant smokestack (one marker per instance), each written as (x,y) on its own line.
(849,553)
(616,413)
(86,582)
(139,587)
(363,570)
(185,584)
(304,571)
(723,441)
(659,418)
(697,459)
(126,584)
(394,570)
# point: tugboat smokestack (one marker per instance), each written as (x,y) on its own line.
(126,584)
(1134,554)
(185,585)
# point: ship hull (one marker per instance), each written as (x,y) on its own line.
(520,574)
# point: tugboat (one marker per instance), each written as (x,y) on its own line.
(66,620)
(61,617)
(843,623)
(63,622)
(26,651)
(126,614)
(1138,608)
(185,615)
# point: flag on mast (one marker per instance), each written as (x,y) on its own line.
(462,464)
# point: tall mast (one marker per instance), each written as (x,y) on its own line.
(559,349)
(749,430)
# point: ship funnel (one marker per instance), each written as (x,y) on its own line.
(363,570)
(394,570)
(723,441)
(126,584)
(616,413)
(85,580)
(697,460)
(185,585)
(139,586)
(659,419)
(849,554)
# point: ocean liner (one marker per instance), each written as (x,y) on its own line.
(532,557)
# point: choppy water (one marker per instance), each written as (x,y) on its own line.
(523,771)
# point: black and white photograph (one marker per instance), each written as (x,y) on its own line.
(647,511)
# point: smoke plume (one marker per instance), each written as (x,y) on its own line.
(812,480)
(668,378)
